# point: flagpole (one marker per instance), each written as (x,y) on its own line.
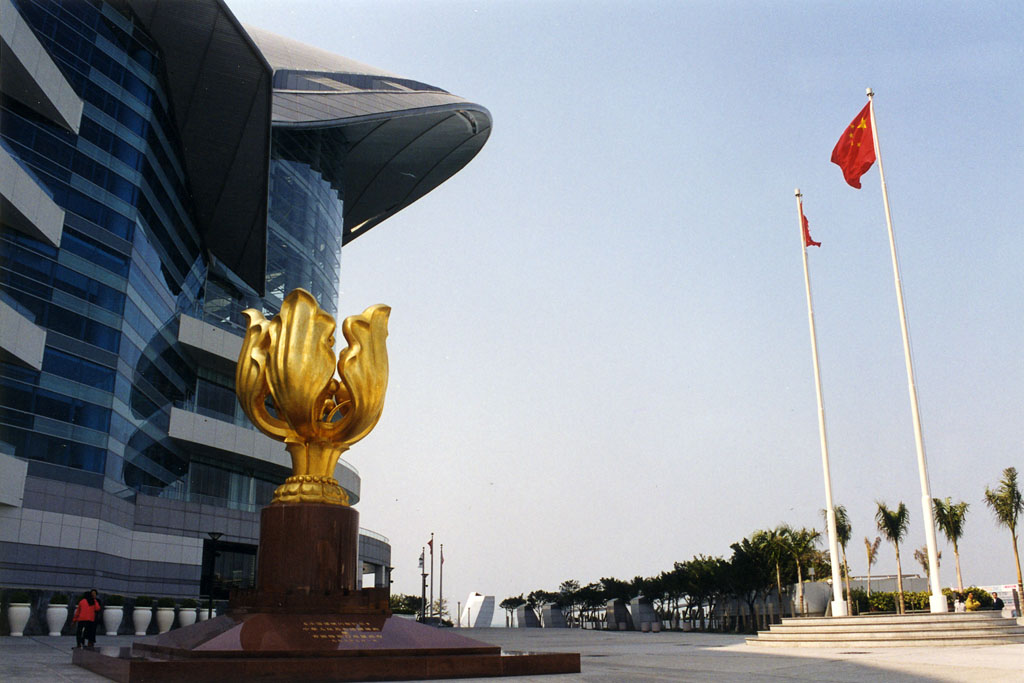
(937,601)
(423,587)
(431,574)
(440,588)
(838,604)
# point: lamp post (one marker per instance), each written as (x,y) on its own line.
(423,588)
(810,575)
(214,537)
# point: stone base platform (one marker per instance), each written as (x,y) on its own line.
(306,621)
(314,647)
(890,630)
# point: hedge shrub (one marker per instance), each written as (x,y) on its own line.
(981,595)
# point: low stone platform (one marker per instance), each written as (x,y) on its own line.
(908,630)
(312,647)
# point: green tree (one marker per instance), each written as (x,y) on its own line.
(1007,505)
(568,593)
(749,575)
(801,545)
(674,585)
(591,599)
(775,544)
(439,608)
(510,604)
(537,599)
(617,589)
(872,549)
(921,555)
(705,580)
(950,517)
(652,588)
(893,525)
(844,531)
(405,604)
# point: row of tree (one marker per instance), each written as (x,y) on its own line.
(1005,501)
(768,560)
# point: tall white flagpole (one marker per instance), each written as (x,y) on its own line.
(838,604)
(937,601)
(431,574)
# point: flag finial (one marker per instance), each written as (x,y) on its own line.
(796,193)
(870,92)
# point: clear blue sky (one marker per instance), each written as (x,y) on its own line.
(600,360)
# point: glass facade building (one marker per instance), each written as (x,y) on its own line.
(147,199)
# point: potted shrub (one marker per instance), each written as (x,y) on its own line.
(187,612)
(18,612)
(205,612)
(142,614)
(113,613)
(57,613)
(164,615)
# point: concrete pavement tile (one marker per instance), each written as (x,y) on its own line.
(612,657)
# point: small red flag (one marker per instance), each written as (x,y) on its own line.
(855,151)
(808,242)
(431,544)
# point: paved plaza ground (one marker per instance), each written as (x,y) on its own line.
(633,657)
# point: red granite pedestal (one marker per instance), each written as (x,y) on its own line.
(306,621)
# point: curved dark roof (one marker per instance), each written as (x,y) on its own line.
(401,138)
(220,91)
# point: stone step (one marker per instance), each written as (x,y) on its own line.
(1009,624)
(853,642)
(890,635)
(957,629)
(897,619)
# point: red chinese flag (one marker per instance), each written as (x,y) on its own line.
(808,242)
(855,151)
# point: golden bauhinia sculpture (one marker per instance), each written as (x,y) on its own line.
(289,360)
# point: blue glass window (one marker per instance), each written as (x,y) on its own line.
(77,369)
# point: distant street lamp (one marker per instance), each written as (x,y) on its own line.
(423,588)
(214,537)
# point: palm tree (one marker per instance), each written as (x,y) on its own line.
(801,546)
(872,550)
(950,517)
(775,543)
(1007,504)
(921,555)
(893,525)
(843,533)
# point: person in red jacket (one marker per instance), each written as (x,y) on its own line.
(86,615)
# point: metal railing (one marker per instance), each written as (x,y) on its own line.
(373,534)
(180,494)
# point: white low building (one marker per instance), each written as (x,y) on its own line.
(478,612)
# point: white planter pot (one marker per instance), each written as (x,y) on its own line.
(56,616)
(141,616)
(204,614)
(164,619)
(112,617)
(186,616)
(17,616)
